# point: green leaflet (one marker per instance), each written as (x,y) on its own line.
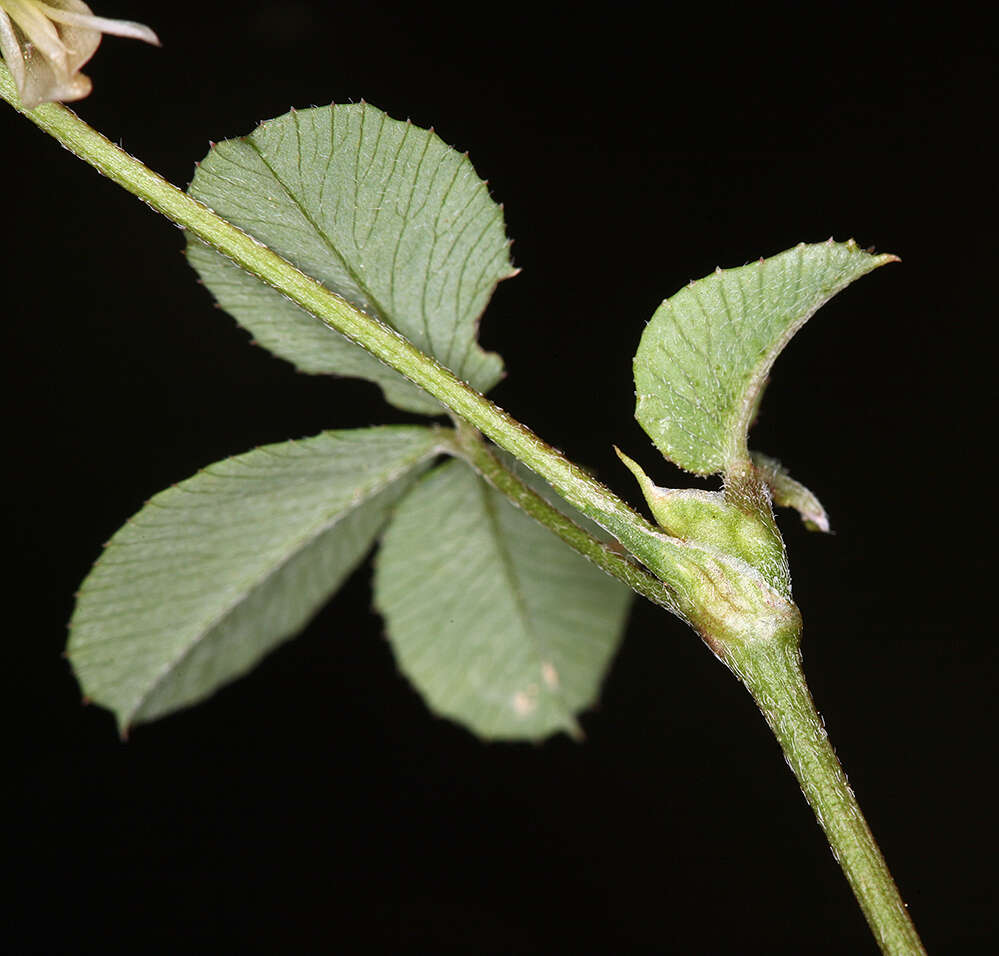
(704,357)
(216,571)
(498,623)
(383,213)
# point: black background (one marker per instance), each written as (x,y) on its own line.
(316,805)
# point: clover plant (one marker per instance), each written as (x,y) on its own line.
(350,243)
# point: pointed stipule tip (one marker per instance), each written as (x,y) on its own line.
(818,523)
(626,461)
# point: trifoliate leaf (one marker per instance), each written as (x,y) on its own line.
(383,213)
(216,571)
(705,355)
(499,624)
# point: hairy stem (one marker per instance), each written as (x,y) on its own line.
(772,673)
(579,488)
(468,444)
(573,483)
(769,670)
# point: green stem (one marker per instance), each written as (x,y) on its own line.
(772,673)
(775,684)
(468,444)
(571,481)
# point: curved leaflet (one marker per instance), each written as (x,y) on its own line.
(704,357)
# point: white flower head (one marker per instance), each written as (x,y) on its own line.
(46,44)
